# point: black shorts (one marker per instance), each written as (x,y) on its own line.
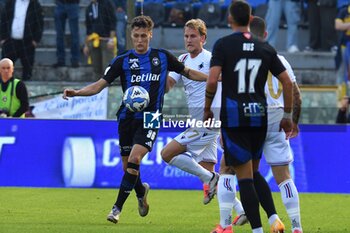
(242,144)
(131,132)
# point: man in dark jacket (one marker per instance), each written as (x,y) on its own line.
(22,24)
(343,115)
(100,42)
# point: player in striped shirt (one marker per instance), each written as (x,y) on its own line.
(147,67)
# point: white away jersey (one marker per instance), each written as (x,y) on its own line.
(274,91)
(194,90)
(273,87)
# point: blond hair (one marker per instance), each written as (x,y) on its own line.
(199,25)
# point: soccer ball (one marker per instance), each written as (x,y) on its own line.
(136,98)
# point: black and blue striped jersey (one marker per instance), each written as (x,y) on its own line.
(149,70)
(245,62)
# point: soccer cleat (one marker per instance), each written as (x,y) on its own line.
(296,230)
(240,220)
(143,205)
(219,229)
(277,226)
(212,186)
(113,216)
(206,198)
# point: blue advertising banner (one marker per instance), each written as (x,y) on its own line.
(85,153)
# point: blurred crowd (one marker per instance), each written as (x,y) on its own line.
(106,20)
(22,26)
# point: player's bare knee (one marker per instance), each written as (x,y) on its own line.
(134,159)
(166,155)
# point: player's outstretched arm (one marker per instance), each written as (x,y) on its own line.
(286,122)
(88,90)
(212,83)
(194,75)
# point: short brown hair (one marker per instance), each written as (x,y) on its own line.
(240,11)
(257,26)
(142,21)
(197,24)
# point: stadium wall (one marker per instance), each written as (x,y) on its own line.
(85,153)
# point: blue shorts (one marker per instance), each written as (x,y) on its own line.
(242,144)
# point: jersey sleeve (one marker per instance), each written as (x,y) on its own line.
(114,70)
(174,75)
(276,66)
(288,68)
(173,63)
(217,58)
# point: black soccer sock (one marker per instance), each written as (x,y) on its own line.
(126,186)
(250,202)
(139,188)
(264,193)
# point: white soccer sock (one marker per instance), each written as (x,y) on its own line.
(258,230)
(188,164)
(226,194)
(237,206)
(273,218)
(290,199)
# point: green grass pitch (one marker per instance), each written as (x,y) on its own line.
(41,210)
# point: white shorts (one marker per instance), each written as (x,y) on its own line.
(277,150)
(201,144)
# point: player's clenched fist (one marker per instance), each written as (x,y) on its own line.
(287,126)
(68,93)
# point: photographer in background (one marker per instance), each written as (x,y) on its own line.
(343,116)
(13,92)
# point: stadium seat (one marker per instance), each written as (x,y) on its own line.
(260,10)
(210,13)
(255,3)
(156,11)
(179,14)
(196,6)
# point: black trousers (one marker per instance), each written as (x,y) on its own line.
(321,25)
(23,50)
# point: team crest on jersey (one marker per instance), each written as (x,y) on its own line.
(4,99)
(200,66)
(155,61)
